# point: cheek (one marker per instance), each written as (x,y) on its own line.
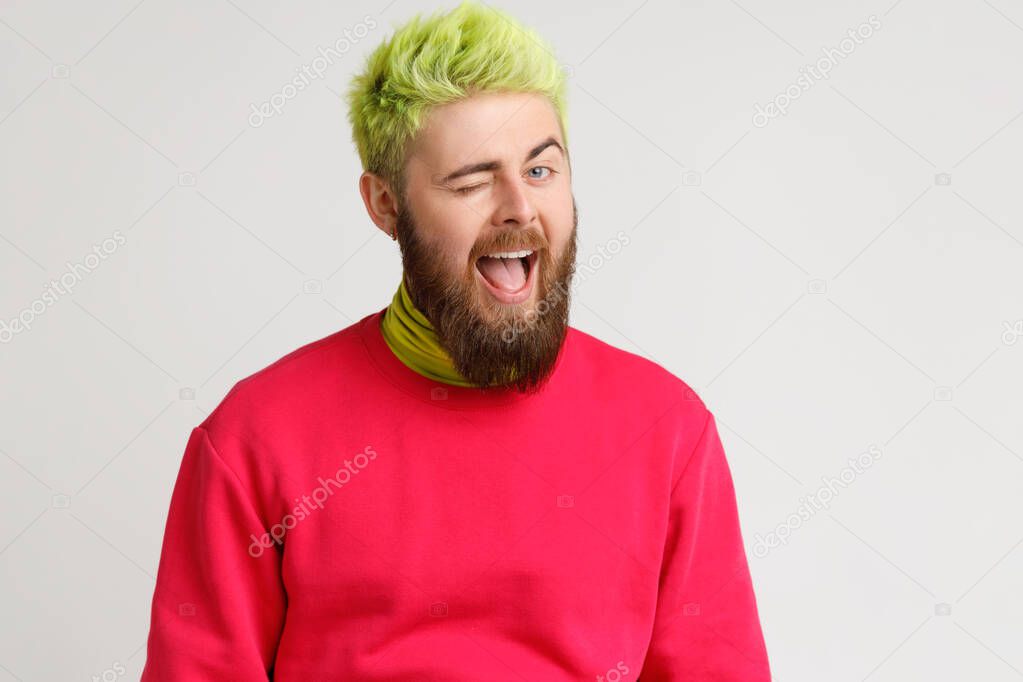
(559,224)
(450,231)
(458,243)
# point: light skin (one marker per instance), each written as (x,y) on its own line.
(485,173)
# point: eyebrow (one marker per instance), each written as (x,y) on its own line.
(496,165)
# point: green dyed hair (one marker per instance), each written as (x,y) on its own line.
(443,58)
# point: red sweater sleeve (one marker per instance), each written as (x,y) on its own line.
(217,610)
(706,626)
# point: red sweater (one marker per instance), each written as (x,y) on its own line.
(341,517)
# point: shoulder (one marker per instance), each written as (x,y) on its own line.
(296,383)
(645,397)
(611,371)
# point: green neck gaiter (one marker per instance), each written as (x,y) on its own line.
(411,337)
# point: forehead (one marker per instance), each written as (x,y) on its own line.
(486,124)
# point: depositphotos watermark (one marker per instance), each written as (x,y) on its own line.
(614,674)
(62,286)
(111,674)
(1012,332)
(812,73)
(307,73)
(811,504)
(312,502)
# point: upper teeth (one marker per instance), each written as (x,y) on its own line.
(510,254)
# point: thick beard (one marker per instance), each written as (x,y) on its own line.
(491,344)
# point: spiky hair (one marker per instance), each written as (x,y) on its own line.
(443,58)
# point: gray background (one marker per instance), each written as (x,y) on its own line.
(848,276)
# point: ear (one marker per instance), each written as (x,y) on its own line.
(381,204)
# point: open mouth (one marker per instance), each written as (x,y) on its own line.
(508,275)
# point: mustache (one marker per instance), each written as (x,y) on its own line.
(510,240)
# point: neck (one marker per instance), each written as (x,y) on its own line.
(412,339)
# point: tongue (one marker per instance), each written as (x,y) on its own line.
(504,273)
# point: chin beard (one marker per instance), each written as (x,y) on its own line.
(491,344)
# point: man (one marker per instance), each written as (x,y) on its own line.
(460,486)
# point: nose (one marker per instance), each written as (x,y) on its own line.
(516,206)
